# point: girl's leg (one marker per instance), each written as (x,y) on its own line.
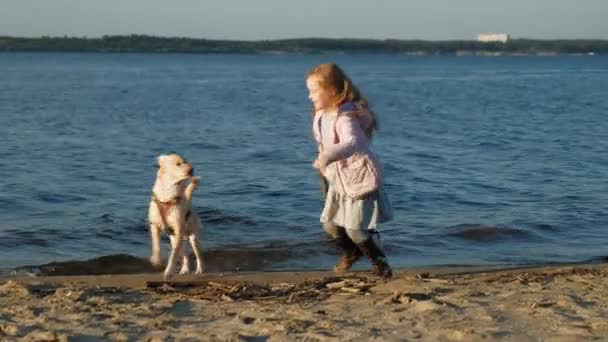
(369,244)
(331,229)
(350,251)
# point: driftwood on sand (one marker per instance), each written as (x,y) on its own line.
(558,303)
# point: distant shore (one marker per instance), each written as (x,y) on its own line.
(153,44)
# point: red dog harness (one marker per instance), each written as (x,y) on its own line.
(163,208)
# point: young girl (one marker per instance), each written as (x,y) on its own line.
(355,202)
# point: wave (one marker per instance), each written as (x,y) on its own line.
(485,233)
(109,264)
(212,215)
(220,260)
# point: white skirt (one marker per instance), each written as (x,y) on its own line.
(356,214)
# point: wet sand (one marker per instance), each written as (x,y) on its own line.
(553,303)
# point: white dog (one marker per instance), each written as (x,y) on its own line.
(170,211)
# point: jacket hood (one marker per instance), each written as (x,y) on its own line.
(353,109)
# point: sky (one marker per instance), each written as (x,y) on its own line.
(280,19)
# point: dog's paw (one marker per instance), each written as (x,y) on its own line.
(199,271)
(155,260)
(168,276)
(184,270)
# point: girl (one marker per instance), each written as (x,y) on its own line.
(355,202)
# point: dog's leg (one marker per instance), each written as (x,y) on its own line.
(195,242)
(185,262)
(176,250)
(155,237)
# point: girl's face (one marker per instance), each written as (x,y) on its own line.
(320,97)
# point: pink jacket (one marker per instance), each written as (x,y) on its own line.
(356,165)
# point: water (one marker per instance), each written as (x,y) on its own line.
(489,161)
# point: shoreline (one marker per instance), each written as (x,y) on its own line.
(554,302)
(303,46)
(138,280)
(465,53)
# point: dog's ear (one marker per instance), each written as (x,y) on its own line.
(160,160)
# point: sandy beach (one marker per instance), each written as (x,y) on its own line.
(553,303)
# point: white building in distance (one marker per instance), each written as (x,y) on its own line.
(493,37)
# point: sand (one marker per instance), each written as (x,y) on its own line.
(556,303)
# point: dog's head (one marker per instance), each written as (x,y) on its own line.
(174,168)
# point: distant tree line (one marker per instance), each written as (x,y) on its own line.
(144,43)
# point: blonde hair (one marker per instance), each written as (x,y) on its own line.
(332,78)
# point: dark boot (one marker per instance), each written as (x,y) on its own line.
(351,252)
(377,257)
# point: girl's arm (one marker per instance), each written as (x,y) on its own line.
(351,139)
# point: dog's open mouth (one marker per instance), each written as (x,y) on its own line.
(187,176)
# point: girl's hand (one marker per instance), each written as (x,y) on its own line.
(318,164)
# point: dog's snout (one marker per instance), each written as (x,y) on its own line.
(190,171)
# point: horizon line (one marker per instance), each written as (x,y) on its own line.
(285,39)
